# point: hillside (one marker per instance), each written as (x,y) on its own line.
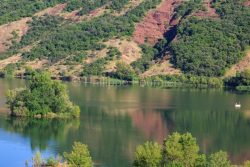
(124,39)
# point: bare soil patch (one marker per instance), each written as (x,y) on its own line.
(129,49)
(156,23)
(56,10)
(73,16)
(6,32)
(247,3)
(161,68)
(10,60)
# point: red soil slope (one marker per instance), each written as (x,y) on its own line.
(156,23)
(247,3)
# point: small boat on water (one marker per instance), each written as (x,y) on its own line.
(237,105)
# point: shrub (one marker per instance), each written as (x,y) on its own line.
(148,155)
(43,97)
(79,156)
(219,159)
(124,72)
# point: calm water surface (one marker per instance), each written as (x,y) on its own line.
(114,120)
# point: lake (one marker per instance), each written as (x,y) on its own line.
(115,119)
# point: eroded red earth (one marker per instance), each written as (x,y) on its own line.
(156,23)
(247,3)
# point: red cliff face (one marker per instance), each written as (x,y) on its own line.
(156,23)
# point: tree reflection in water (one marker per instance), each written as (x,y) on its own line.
(39,131)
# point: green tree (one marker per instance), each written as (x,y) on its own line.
(124,72)
(180,150)
(219,159)
(201,161)
(148,155)
(79,156)
(43,97)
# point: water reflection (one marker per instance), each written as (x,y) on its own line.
(116,119)
(39,131)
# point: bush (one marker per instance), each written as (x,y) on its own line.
(113,52)
(195,81)
(145,61)
(219,159)
(124,72)
(79,156)
(239,82)
(180,150)
(95,68)
(52,162)
(148,155)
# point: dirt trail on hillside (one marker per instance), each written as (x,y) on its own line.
(10,60)
(56,10)
(73,16)
(161,68)
(156,23)
(239,67)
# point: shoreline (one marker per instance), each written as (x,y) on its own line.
(102,80)
(153,81)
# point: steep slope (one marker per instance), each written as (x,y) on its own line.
(152,37)
(152,28)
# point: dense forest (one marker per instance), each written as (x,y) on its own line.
(210,46)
